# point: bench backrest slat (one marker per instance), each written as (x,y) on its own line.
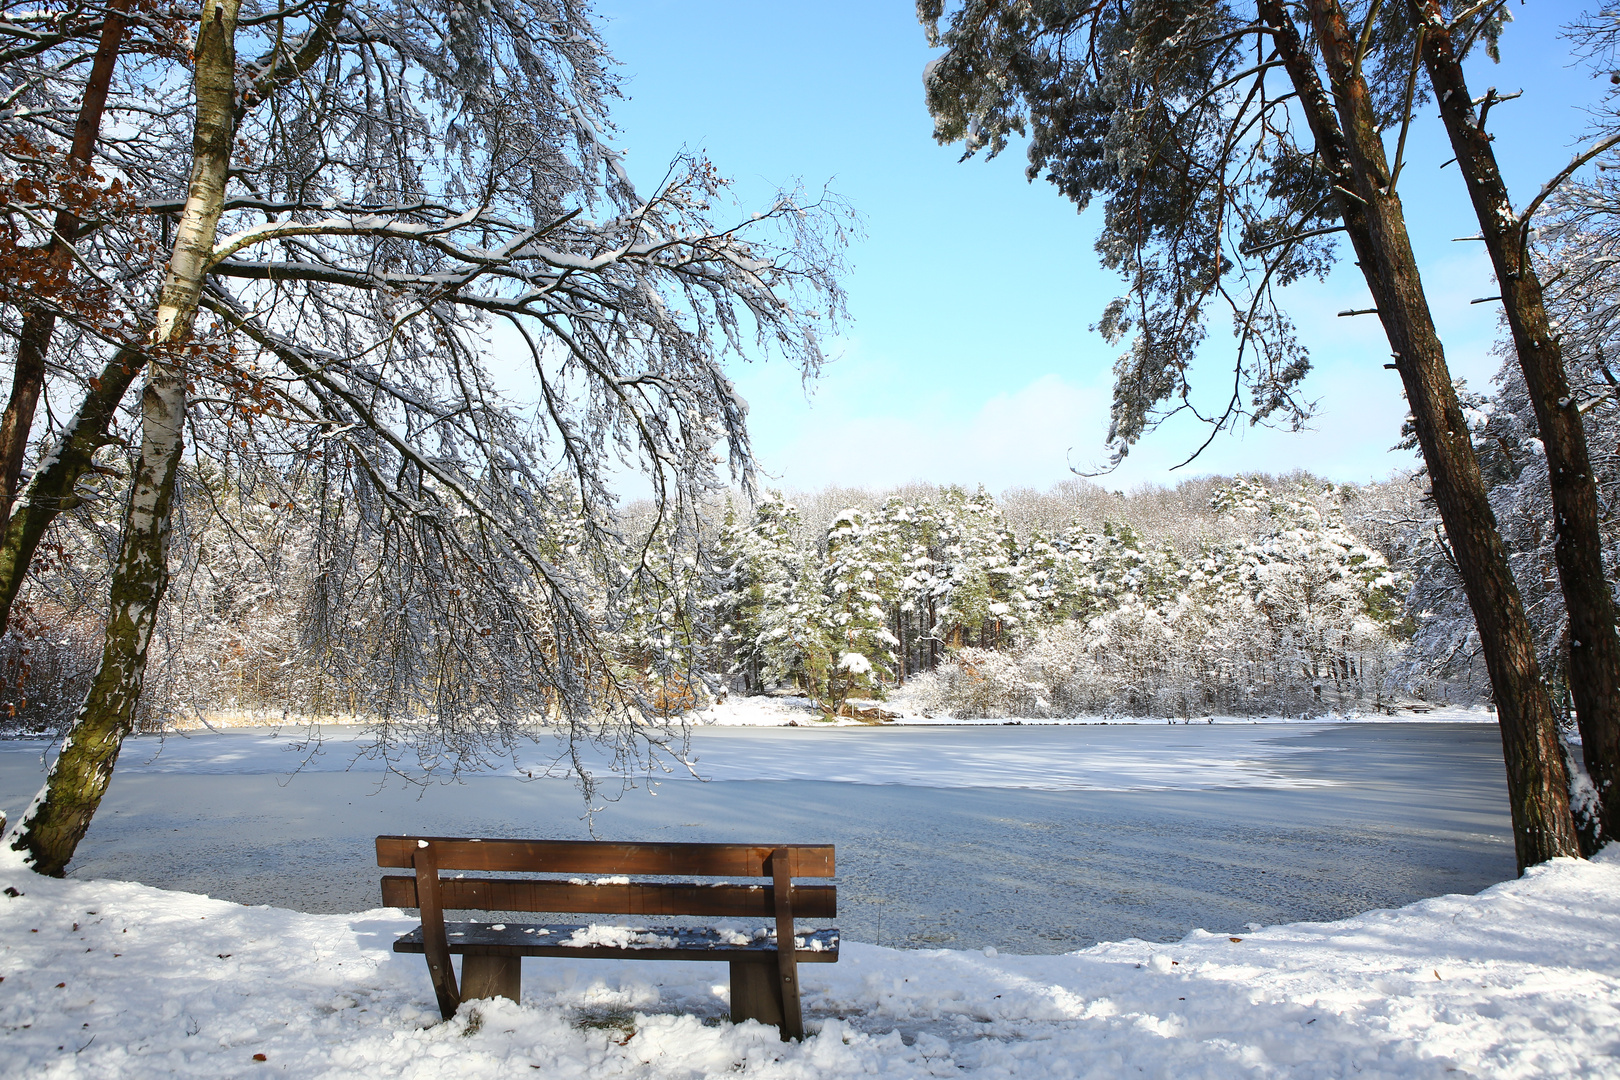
(603,857)
(635,898)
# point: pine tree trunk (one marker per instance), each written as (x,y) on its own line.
(1538,784)
(60,815)
(900,636)
(1594,655)
(34,342)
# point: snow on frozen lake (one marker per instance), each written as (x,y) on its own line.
(1114,758)
(1026,839)
(1171,867)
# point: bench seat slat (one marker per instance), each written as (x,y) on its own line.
(633,898)
(604,857)
(648,943)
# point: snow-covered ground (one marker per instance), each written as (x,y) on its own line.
(112,979)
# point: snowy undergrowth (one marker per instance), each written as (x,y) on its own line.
(114,979)
(918,702)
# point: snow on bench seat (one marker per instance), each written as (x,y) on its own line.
(622,942)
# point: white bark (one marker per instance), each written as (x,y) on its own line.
(58,819)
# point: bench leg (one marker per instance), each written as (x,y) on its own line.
(756,991)
(491,976)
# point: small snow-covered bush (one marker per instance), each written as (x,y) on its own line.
(983,684)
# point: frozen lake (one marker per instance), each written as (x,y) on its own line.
(1028,838)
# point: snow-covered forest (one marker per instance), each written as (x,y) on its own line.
(1260,595)
(1238,596)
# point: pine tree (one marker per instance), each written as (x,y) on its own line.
(1322,594)
(768,619)
(984,604)
(924,580)
(862,577)
(1228,162)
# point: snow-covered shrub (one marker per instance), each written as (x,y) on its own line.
(980,684)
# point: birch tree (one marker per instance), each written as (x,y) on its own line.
(402,220)
(59,817)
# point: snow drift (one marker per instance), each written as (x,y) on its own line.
(113,979)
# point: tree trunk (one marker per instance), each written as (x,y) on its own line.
(900,636)
(34,342)
(56,822)
(933,639)
(1594,655)
(52,490)
(1538,784)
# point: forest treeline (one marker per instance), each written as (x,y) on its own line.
(1257,595)
(1244,595)
(1235,596)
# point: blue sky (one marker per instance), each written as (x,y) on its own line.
(968,358)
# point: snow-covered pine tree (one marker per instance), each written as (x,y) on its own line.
(1226,173)
(737,605)
(862,578)
(923,580)
(1327,600)
(985,605)
(767,619)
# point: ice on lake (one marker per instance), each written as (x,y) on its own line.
(1026,839)
(1120,758)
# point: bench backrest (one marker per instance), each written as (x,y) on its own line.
(616,860)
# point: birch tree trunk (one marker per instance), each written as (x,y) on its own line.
(1594,648)
(1347,135)
(59,816)
(34,342)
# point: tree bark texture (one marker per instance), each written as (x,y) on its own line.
(56,822)
(1594,647)
(1352,147)
(34,341)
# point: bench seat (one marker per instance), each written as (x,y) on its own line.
(594,940)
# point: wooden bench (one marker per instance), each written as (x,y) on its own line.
(764,978)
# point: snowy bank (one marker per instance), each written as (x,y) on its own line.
(901,708)
(113,979)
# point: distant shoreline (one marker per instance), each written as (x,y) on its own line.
(804,719)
